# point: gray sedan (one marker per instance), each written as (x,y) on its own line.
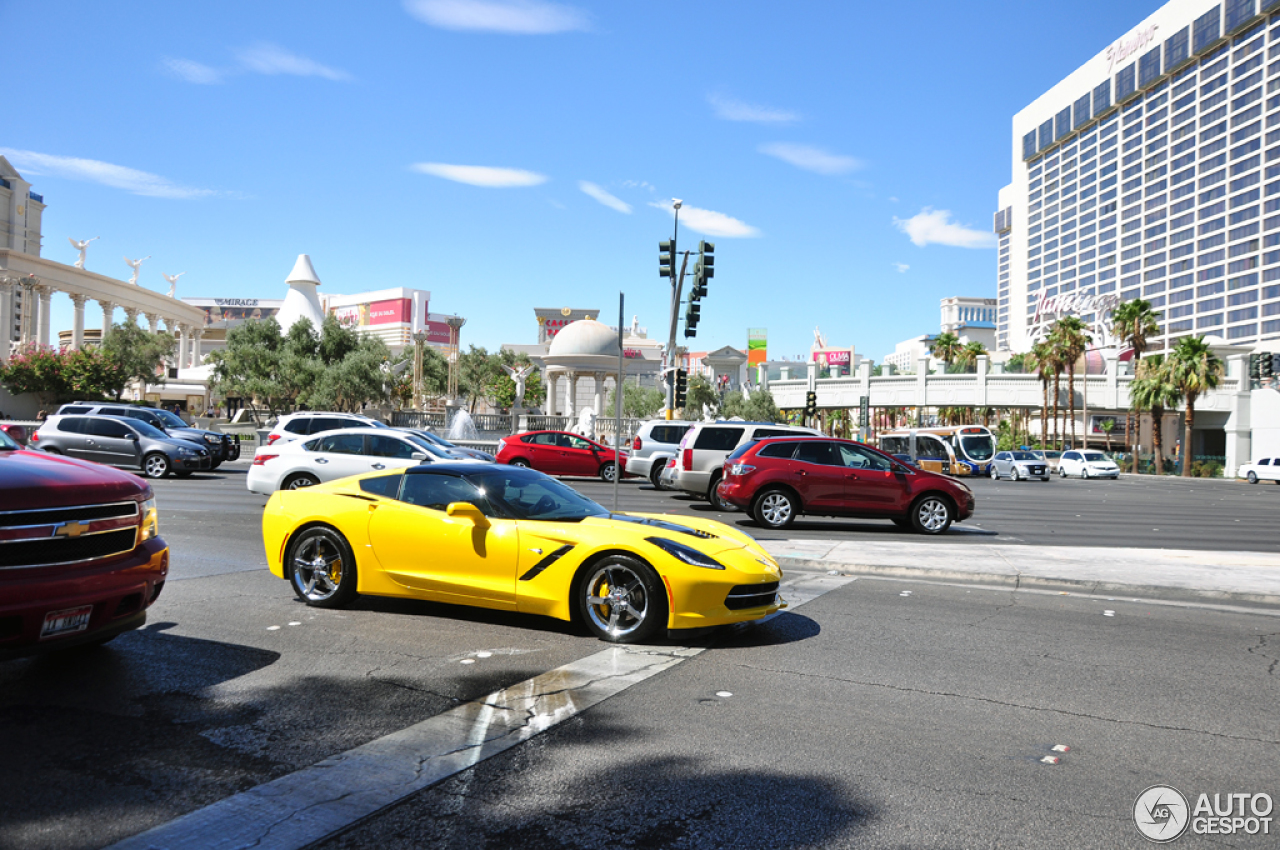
(121,441)
(1018,465)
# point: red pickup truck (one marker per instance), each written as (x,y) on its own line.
(81,557)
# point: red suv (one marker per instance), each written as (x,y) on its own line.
(560,453)
(81,558)
(780,478)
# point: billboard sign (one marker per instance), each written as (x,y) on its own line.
(389,312)
(757,346)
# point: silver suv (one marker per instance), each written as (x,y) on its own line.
(222,447)
(121,441)
(704,447)
(294,425)
(655,443)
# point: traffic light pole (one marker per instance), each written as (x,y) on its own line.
(677,288)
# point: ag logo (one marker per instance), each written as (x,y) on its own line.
(1161,813)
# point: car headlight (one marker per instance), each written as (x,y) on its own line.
(685,553)
(150,519)
(212,438)
(186,452)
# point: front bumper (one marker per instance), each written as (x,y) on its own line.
(746,590)
(192,464)
(119,591)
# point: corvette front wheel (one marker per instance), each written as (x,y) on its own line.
(321,567)
(621,600)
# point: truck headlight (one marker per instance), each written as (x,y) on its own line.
(150,519)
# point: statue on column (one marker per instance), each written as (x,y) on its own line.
(81,246)
(519,376)
(173,281)
(135,265)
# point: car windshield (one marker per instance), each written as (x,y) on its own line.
(525,494)
(146,429)
(170,419)
(1094,457)
(978,447)
(1023,456)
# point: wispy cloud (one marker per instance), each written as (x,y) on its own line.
(930,226)
(604,197)
(812,159)
(194,72)
(709,222)
(737,110)
(521,17)
(265,58)
(481,175)
(901,267)
(106,173)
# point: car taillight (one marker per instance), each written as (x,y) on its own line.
(35,437)
(271,438)
(686,461)
(739,469)
(259,460)
(671,463)
(636,444)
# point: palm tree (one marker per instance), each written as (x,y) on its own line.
(1039,359)
(1133,322)
(1193,369)
(1151,391)
(969,354)
(1072,337)
(946,347)
(1107,426)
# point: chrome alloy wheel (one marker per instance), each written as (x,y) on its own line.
(617,600)
(317,568)
(933,515)
(776,509)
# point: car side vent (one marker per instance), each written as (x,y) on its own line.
(546,562)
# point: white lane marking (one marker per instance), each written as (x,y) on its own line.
(304,807)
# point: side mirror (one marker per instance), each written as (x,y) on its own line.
(418,456)
(466,510)
(133,436)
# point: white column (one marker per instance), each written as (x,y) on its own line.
(108,311)
(77,324)
(553,404)
(195,347)
(6,319)
(571,397)
(599,379)
(131,315)
(46,298)
(184,337)
(153,321)
(28,323)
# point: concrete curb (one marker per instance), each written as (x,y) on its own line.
(1017,581)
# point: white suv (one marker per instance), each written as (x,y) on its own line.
(295,425)
(704,447)
(655,443)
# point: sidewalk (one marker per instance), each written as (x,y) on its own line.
(1252,577)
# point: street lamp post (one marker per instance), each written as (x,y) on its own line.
(419,342)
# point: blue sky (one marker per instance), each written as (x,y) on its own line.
(512,154)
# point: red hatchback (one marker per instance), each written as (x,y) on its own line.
(81,558)
(780,478)
(561,453)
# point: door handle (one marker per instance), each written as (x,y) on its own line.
(852,475)
(801,472)
(379,466)
(322,460)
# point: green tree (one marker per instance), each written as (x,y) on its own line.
(1071,336)
(1134,322)
(1016,364)
(501,392)
(337,369)
(249,366)
(637,402)
(138,353)
(1193,370)
(946,347)
(968,356)
(1152,392)
(1040,360)
(701,396)
(54,376)
(478,372)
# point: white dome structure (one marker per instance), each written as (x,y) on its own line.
(585,338)
(585,349)
(302,301)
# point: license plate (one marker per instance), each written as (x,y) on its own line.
(65,622)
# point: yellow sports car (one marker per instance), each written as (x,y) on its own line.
(513,539)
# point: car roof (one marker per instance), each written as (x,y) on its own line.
(362,429)
(470,467)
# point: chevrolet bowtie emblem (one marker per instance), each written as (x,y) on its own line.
(70,529)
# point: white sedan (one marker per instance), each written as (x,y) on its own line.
(1087,464)
(1263,469)
(334,454)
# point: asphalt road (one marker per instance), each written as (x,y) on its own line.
(883,713)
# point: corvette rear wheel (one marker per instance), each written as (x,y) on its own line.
(321,568)
(621,600)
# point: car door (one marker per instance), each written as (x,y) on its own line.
(871,483)
(818,474)
(331,456)
(1269,469)
(112,442)
(582,456)
(1003,463)
(451,559)
(72,439)
(543,451)
(387,451)
(1070,463)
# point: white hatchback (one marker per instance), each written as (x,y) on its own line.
(1087,464)
(334,454)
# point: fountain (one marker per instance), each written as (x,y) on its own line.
(462,427)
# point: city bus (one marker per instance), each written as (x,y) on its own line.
(957,450)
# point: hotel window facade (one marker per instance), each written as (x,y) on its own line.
(1153,171)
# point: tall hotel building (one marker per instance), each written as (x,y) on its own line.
(1152,171)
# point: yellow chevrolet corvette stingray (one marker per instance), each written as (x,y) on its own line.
(513,539)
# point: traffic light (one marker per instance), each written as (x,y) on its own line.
(704,269)
(666,258)
(1255,366)
(1267,367)
(691,315)
(811,403)
(682,388)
